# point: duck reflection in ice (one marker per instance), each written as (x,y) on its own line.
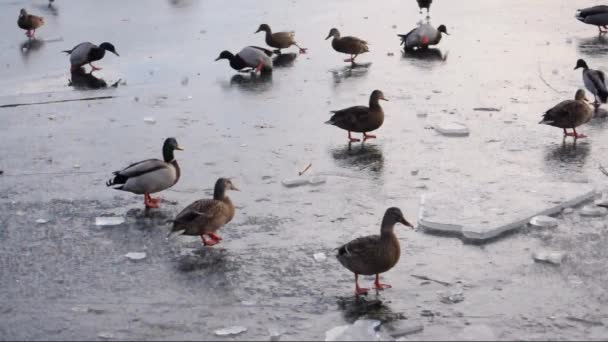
(356,307)
(593,46)
(284,60)
(350,71)
(359,156)
(559,156)
(252,82)
(85,80)
(29,46)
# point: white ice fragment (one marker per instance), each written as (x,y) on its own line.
(20,213)
(41,221)
(319,257)
(552,257)
(293,182)
(230,331)
(150,120)
(77,166)
(361,330)
(109,220)
(452,129)
(105,335)
(135,255)
(316,180)
(568,210)
(590,210)
(543,221)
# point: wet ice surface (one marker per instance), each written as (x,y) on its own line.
(262,130)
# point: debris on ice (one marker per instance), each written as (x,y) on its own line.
(552,257)
(109,220)
(150,120)
(590,210)
(361,330)
(543,221)
(41,221)
(135,255)
(452,129)
(230,331)
(319,257)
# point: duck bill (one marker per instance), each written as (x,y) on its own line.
(405,223)
(179,148)
(235,188)
(116,53)
(383,98)
(217,59)
(328,36)
(257,31)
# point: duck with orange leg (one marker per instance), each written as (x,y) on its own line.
(374,254)
(87,53)
(360,119)
(570,114)
(29,22)
(206,216)
(150,175)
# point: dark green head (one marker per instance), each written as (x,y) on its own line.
(169,146)
(581,64)
(108,47)
(443,29)
(225,55)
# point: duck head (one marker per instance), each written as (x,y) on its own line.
(581,64)
(394,215)
(225,55)
(443,29)
(376,96)
(22,13)
(333,33)
(580,95)
(169,146)
(263,27)
(109,47)
(221,185)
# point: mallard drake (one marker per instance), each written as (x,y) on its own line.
(253,57)
(569,114)
(424,4)
(596,15)
(207,216)
(349,45)
(279,40)
(360,119)
(29,22)
(594,80)
(149,176)
(87,53)
(374,254)
(422,36)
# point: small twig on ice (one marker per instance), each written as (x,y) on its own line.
(305,169)
(444,283)
(540,75)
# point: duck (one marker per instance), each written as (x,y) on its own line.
(594,80)
(422,36)
(349,45)
(249,58)
(149,176)
(569,114)
(207,216)
(29,22)
(424,4)
(374,254)
(360,119)
(87,53)
(279,40)
(596,15)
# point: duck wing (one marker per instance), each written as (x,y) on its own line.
(79,55)
(353,255)
(595,80)
(567,114)
(284,38)
(404,37)
(589,11)
(350,118)
(253,55)
(351,45)
(202,216)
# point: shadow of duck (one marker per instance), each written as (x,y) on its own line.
(356,307)
(252,82)
(350,71)
(205,258)
(284,60)
(30,46)
(431,55)
(593,46)
(360,156)
(86,81)
(561,158)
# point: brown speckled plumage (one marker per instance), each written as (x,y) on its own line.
(29,22)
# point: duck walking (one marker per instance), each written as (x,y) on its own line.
(279,40)
(349,45)
(29,22)
(249,58)
(87,53)
(594,80)
(374,254)
(207,216)
(596,15)
(569,114)
(149,176)
(424,4)
(360,119)
(422,36)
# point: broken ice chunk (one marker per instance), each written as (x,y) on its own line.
(293,182)
(543,221)
(150,120)
(41,221)
(452,129)
(361,330)
(135,255)
(109,220)
(230,331)
(590,210)
(552,257)
(316,180)
(319,257)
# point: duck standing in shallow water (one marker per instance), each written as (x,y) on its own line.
(569,114)
(374,254)
(207,216)
(594,80)
(279,40)
(422,37)
(250,57)
(596,15)
(349,45)
(29,22)
(360,119)
(149,176)
(87,53)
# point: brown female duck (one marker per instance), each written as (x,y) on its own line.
(349,45)
(207,216)
(374,254)
(29,22)
(279,40)
(360,119)
(569,114)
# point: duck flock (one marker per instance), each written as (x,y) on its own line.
(369,255)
